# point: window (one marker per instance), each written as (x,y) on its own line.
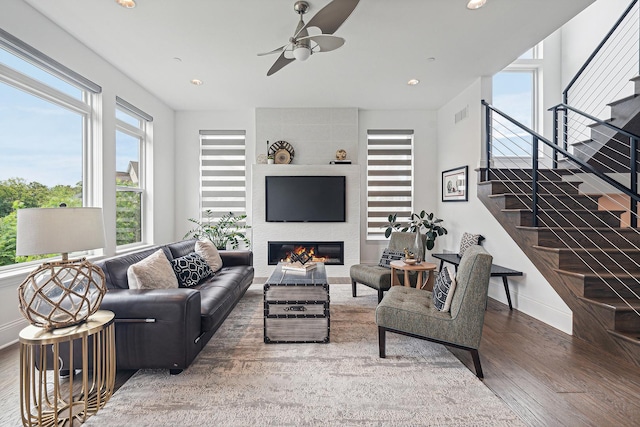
(515,92)
(389,178)
(131,138)
(45,121)
(222,173)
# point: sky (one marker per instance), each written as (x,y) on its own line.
(41,141)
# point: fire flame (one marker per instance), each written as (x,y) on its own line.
(300,249)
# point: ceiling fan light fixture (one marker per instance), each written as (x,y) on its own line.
(129,4)
(301,52)
(475,4)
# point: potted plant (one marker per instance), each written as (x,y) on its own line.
(415,223)
(270,159)
(224,231)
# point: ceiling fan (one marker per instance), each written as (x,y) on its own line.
(301,46)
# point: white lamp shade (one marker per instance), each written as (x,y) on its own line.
(59,230)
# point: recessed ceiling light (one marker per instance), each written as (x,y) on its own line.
(413,82)
(475,4)
(129,4)
(431,59)
(176,59)
(197,82)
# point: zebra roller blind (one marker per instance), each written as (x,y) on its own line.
(222,173)
(389,178)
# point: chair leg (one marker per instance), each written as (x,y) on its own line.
(353,288)
(380,295)
(381,342)
(476,362)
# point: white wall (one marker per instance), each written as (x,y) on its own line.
(426,190)
(458,145)
(25,23)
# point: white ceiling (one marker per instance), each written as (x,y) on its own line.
(387,43)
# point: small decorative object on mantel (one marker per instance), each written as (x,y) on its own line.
(60,293)
(270,159)
(341,158)
(262,159)
(282,152)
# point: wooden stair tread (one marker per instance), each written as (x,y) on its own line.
(631,337)
(625,230)
(614,303)
(589,250)
(588,275)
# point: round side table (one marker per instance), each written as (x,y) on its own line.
(44,398)
(419,267)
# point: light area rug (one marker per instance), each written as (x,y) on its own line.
(237,380)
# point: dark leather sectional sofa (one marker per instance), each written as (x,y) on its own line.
(167,328)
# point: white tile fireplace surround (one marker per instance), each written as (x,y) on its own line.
(348,231)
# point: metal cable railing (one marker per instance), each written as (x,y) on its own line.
(604,76)
(608,252)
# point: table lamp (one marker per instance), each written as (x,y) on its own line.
(60,293)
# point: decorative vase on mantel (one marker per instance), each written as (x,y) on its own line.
(419,246)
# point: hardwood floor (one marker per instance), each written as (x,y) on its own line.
(550,378)
(547,377)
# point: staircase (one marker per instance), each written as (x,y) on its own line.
(574,213)
(577,249)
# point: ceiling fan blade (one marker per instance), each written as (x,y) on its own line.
(280,63)
(325,42)
(280,49)
(332,16)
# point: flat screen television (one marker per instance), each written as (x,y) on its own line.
(305,198)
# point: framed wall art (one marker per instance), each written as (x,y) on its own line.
(455,184)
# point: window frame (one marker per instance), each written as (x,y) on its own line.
(84,107)
(142,134)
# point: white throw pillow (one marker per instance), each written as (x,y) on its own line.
(153,272)
(210,253)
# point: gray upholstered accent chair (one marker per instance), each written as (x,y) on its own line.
(410,311)
(379,278)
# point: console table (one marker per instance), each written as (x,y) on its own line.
(496,271)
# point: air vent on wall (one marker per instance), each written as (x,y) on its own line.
(462,114)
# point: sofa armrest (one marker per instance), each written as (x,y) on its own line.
(236,257)
(155,328)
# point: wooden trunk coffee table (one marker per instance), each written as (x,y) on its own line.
(419,267)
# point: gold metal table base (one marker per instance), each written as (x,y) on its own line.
(48,400)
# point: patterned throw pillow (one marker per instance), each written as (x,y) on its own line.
(390,255)
(443,290)
(469,240)
(191,269)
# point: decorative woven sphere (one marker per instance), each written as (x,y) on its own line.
(62,293)
(341,154)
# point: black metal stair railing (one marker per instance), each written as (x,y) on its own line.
(605,147)
(542,187)
(605,74)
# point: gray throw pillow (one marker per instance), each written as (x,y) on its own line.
(390,255)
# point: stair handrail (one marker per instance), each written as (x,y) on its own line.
(631,191)
(563,106)
(597,50)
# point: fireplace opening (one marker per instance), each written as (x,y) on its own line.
(330,253)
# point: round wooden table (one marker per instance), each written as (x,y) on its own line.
(419,267)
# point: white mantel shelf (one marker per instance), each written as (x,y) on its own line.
(348,231)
